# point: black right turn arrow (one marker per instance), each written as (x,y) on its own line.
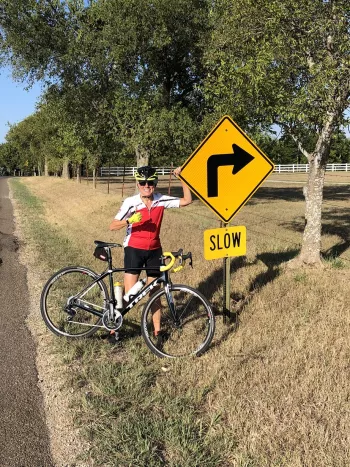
(239,159)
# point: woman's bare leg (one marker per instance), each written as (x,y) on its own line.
(156,309)
(130,280)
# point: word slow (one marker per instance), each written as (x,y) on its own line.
(226,241)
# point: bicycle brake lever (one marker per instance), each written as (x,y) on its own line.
(191,263)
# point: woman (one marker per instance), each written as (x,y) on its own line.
(142,216)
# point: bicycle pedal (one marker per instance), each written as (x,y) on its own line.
(114,337)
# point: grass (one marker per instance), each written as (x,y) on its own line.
(273,391)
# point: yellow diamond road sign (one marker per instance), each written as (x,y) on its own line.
(226,169)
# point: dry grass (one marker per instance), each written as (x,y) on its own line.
(273,392)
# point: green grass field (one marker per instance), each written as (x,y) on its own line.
(273,391)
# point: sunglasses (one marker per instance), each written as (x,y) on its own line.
(147,182)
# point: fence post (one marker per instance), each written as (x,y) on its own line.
(109,174)
(169,187)
(123,181)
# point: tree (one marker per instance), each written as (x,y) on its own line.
(150,57)
(9,158)
(123,63)
(287,63)
(23,141)
(340,149)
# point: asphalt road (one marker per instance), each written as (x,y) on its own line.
(24,438)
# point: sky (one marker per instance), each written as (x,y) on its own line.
(15,102)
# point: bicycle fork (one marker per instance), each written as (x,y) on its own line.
(171,304)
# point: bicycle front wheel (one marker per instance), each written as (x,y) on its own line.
(190,332)
(65,288)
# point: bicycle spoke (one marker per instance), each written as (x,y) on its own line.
(62,296)
(184,310)
(189,334)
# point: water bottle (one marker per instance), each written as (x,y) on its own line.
(134,289)
(118,293)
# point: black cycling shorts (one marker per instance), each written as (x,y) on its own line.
(137,258)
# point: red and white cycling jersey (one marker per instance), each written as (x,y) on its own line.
(145,234)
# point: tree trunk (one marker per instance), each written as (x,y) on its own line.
(65,169)
(94,177)
(78,169)
(142,158)
(310,253)
(46,167)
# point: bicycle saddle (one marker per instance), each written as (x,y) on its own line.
(100,244)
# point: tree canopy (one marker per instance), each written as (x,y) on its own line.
(148,79)
(144,81)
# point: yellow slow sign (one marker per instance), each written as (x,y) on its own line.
(224,242)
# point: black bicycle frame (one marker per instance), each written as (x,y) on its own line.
(164,278)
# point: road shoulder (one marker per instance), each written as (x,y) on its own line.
(66,442)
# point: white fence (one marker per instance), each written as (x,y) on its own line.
(305,168)
(129,171)
(281,168)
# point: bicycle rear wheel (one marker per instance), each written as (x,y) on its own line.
(193,332)
(57,308)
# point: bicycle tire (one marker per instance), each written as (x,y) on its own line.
(195,331)
(64,284)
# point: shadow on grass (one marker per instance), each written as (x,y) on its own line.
(209,286)
(293,194)
(238,302)
(129,330)
(338,224)
(335,222)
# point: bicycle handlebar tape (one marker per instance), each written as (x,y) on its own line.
(167,254)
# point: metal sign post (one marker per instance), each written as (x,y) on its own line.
(226,284)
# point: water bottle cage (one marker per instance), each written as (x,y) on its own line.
(134,290)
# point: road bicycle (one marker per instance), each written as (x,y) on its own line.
(76,302)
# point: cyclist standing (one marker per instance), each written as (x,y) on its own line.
(142,216)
